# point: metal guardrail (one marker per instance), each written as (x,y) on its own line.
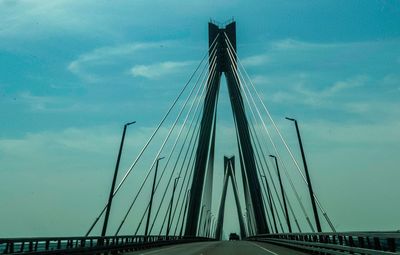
(89,245)
(373,243)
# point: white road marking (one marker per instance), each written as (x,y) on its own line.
(169,248)
(265,249)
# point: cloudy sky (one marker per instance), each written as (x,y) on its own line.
(72,72)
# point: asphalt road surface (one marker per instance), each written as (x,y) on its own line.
(220,248)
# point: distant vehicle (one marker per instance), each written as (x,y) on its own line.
(233,236)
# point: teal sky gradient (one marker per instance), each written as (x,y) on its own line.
(72,72)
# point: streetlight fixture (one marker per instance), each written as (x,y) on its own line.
(151,197)
(270,202)
(283,194)
(310,189)
(171,204)
(110,197)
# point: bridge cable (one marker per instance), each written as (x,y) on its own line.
(265,188)
(158,153)
(254,134)
(189,165)
(292,212)
(145,212)
(247,100)
(249,205)
(149,140)
(278,155)
(207,193)
(187,189)
(288,149)
(184,214)
(190,160)
(191,156)
(259,145)
(284,166)
(141,187)
(183,201)
(180,170)
(256,149)
(169,181)
(289,203)
(202,93)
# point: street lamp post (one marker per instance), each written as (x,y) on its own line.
(212,227)
(208,224)
(283,194)
(171,204)
(201,216)
(270,203)
(207,215)
(215,227)
(151,197)
(248,225)
(184,212)
(110,197)
(310,189)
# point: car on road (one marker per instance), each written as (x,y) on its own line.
(233,236)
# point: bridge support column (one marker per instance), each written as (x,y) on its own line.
(226,66)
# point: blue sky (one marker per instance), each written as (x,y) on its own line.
(71,72)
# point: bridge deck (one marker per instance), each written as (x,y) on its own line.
(220,248)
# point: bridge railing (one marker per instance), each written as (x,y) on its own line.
(88,245)
(338,243)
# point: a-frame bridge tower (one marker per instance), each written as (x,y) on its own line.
(229,174)
(224,60)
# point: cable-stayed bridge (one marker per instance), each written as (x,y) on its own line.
(173,205)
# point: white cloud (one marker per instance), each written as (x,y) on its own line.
(106,56)
(260,79)
(291,44)
(56,104)
(321,55)
(282,96)
(353,82)
(305,94)
(158,70)
(37,103)
(255,60)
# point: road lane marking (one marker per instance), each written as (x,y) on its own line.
(169,248)
(265,249)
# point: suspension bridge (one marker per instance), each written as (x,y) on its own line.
(173,205)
